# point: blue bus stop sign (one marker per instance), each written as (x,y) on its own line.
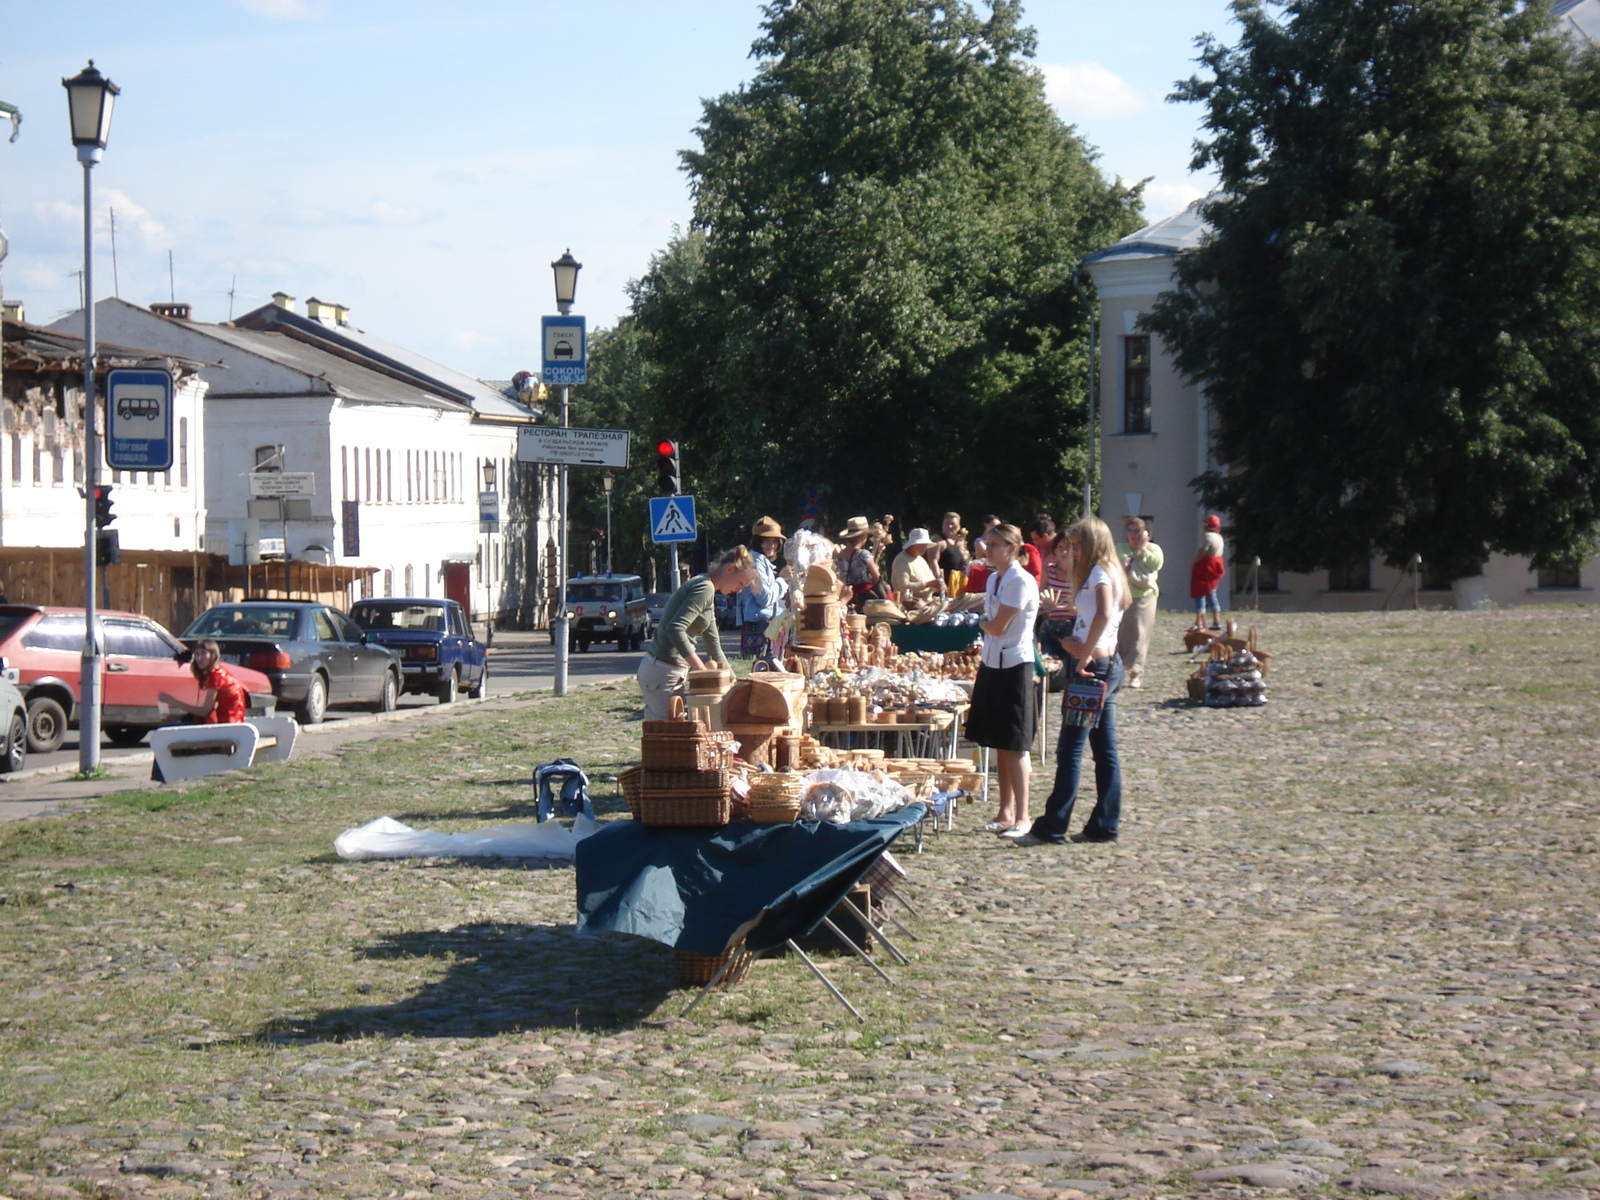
(139,420)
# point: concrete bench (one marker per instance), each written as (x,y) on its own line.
(194,751)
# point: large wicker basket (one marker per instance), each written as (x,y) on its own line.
(631,781)
(689,810)
(697,970)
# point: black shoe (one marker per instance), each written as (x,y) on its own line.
(1083,837)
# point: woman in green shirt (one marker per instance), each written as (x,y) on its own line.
(691,612)
(1142,560)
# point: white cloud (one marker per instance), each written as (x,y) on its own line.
(1086,89)
(291,10)
(471,339)
(1165,199)
(131,212)
(384,213)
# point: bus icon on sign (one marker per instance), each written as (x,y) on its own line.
(147,407)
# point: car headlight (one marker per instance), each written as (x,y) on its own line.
(611,614)
(571,615)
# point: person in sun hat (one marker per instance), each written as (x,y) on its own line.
(763,599)
(854,564)
(912,575)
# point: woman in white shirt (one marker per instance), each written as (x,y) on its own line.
(1102,596)
(1002,716)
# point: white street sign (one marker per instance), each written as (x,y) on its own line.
(283,483)
(572,447)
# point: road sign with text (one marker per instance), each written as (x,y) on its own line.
(139,419)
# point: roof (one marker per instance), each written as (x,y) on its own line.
(1580,16)
(1167,238)
(484,399)
(52,349)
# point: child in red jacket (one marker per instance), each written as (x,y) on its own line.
(1206,573)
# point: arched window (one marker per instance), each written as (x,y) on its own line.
(411,582)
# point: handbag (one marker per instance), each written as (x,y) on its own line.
(1084,702)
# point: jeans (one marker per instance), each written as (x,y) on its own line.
(1209,600)
(1102,739)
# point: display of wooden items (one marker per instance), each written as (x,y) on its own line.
(1232,676)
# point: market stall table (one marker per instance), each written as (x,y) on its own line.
(937,737)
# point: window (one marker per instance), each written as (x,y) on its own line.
(137,640)
(1562,575)
(411,584)
(1136,384)
(38,459)
(58,466)
(77,464)
(16,458)
(1354,575)
(388,474)
(183,452)
(269,458)
(344,472)
(388,582)
(322,627)
(367,454)
(56,633)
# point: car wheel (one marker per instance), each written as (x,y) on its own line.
(16,751)
(47,725)
(389,697)
(315,706)
(480,689)
(125,735)
(448,687)
(583,645)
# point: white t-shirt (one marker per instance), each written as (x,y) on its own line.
(1015,589)
(1088,606)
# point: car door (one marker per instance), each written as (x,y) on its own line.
(367,663)
(335,652)
(468,650)
(139,664)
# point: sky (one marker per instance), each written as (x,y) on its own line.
(423,163)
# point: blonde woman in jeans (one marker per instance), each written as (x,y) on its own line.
(690,613)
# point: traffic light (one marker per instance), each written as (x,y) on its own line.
(103,515)
(669,475)
(107,547)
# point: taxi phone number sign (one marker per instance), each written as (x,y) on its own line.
(139,420)
(566,358)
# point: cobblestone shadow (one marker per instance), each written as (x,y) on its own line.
(501,979)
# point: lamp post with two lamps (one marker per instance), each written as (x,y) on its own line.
(90,96)
(566,270)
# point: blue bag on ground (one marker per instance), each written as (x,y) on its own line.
(563,781)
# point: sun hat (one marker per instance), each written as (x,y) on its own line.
(1213,522)
(853,528)
(918,537)
(766,527)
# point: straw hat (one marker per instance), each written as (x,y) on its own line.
(918,537)
(766,527)
(855,527)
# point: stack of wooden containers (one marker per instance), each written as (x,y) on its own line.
(817,632)
(685,776)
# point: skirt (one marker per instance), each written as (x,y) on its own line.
(1002,712)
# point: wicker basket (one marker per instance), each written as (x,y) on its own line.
(680,810)
(711,780)
(697,970)
(684,754)
(631,781)
(775,812)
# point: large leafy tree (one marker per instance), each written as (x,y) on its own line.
(1397,318)
(874,299)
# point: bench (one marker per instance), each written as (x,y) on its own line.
(194,751)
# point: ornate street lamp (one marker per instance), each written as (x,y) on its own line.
(90,97)
(566,268)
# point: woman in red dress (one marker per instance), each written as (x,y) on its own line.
(223,700)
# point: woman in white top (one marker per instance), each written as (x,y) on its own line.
(1002,716)
(1102,597)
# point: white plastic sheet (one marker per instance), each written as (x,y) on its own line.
(841,796)
(388,838)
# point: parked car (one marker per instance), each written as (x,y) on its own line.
(314,656)
(434,641)
(45,647)
(606,608)
(655,607)
(14,710)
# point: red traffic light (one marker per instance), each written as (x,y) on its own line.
(665,448)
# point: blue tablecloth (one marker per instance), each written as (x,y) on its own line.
(696,889)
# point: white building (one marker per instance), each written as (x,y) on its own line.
(1156,437)
(398,448)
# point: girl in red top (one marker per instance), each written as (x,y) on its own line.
(223,700)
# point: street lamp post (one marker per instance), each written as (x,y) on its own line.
(490,477)
(608,481)
(90,96)
(566,270)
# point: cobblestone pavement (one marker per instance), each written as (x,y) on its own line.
(1346,944)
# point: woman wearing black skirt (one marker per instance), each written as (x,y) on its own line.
(1002,716)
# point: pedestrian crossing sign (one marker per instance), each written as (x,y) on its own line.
(672,519)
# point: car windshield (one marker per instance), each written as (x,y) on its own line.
(591,593)
(233,621)
(427,618)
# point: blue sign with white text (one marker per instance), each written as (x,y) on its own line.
(566,354)
(139,420)
(672,519)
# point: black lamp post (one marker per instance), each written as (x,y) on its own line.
(90,97)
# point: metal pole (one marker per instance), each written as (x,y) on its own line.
(560,622)
(89,666)
(608,531)
(1093,448)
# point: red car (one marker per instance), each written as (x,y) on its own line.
(45,645)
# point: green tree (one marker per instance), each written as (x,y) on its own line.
(874,298)
(1396,320)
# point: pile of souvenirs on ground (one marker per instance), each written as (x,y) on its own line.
(1233,675)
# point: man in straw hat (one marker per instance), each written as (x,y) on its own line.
(854,564)
(763,599)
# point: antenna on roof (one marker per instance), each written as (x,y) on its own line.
(116,286)
(233,281)
(172,290)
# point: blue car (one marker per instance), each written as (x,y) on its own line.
(433,638)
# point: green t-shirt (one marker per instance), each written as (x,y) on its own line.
(691,612)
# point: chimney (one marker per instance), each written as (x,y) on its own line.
(178,311)
(13,310)
(283,300)
(319,310)
(341,314)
